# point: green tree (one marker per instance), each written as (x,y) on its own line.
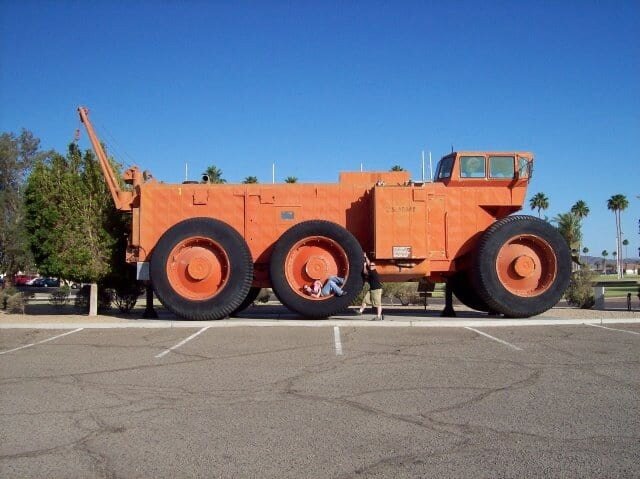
(250,180)
(580,209)
(540,202)
(605,253)
(75,231)
(618,203)
(397,168)
(291,179)
(214,174)
(17,156)
(570,229)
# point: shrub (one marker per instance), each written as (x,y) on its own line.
(406,293)
(5,294)
(126,296)
(16,303)
(579,293)
(264,295)
(61,297)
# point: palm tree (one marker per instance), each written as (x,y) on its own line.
(250,180)
(397,168)
(625,243)
(580,209)
(214,174)
(539,201)
(618,203)
(605,253)
(585,250)
(615,255)
(291,179)
(569,228)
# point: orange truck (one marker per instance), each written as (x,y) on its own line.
(208,249)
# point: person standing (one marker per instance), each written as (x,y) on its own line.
(374,295)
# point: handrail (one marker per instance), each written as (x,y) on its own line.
(122,199)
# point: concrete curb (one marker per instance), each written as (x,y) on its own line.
(355,323)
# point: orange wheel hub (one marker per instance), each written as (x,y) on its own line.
(526,265)
(198,268)
(314,258)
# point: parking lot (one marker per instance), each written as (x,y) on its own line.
(321,399)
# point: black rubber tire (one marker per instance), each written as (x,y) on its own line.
(306,306)
(463,289)
(236,287)
(485,275)
(248,301)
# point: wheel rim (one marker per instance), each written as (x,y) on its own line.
(198,268)
(314,258)
(526,265)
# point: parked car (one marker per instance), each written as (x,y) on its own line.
(51,283)
(22,279)
(44,283)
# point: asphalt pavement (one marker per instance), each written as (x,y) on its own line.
(340,399)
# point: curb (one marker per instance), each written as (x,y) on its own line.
(267,323)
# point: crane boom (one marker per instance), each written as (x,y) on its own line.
(122,199)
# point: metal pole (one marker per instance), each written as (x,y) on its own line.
(430,167)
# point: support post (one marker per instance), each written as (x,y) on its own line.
(93,299)
(598,293)
(149,311)
(448,311)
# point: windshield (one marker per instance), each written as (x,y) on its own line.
(472,167)
(501,166)
(444,168)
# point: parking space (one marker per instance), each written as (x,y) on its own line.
(334,401)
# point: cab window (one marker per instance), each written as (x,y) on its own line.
(444,168)
(472,167)
(501,166)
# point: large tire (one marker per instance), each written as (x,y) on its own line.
(248,301)
(523,266)
(201,269)
(316,250)
(462,287)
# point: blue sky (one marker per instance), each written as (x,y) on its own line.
(317,87)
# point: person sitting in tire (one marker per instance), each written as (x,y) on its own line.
(331,286)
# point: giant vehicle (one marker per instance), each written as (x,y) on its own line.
(209,248)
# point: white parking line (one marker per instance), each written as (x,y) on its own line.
(43,341)
(495,339)
(163,353)
(338,343)
(612,329)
